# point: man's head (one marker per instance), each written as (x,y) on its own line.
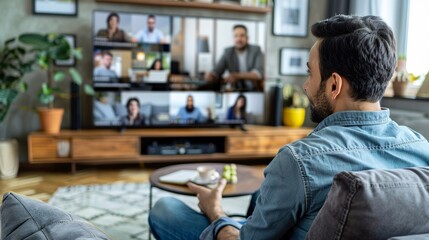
(112,20)
(106,59)
(240,37)
(151,22)
(190,103)
(351,62)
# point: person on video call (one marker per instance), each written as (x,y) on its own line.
(238,110)
(349,68)
(243,61)
(156,65)
(134,117)
(150,34)
(103,71)
(190,113)
(113,33)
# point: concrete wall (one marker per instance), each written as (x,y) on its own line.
(18,18)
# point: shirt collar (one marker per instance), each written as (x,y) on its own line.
(354,118)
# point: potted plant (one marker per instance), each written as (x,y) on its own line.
(294,104)
(13,66)
(47,49)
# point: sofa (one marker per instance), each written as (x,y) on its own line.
(371,204)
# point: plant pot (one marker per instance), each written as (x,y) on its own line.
(293,117)
(50,119)
(399,88)
(9,158)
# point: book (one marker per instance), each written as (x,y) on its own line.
(180,177)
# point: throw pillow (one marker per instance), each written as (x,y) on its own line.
(375,204)
(25,218)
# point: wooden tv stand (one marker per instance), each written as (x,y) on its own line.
(114,146)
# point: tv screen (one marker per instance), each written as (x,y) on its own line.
(149,71)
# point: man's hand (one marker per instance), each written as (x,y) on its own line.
(210,199)
(231,78)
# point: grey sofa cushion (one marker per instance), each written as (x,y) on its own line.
(25,218)
(412,237)
(375,204)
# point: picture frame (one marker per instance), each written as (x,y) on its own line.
(71,62)
(55,7)
(290,18)
(293,61)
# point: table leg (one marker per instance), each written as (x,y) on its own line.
(150,207)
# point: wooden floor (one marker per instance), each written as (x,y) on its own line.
(42,183)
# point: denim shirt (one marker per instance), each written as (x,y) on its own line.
(298,179)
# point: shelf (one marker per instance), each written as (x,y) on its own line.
(201,5)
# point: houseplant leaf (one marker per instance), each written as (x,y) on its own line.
(88,90)
(35,40)
(75,76)
(59,76)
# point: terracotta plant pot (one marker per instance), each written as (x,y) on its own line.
(50,119)
(293,117)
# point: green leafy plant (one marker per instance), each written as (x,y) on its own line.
(294,97)
(47,49)
(14,64)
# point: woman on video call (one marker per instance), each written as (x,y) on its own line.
(134,117)
(113,33)
(238,110)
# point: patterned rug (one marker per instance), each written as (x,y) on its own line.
(121,210)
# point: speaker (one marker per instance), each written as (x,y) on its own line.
(76,111)
(275,106)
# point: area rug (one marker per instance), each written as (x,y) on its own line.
(121,210)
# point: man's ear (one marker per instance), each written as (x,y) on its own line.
(335,86)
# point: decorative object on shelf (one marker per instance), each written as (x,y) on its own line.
(290,18)
(9,158)
(294,104)
(401,78)
(55,7)
(293,61)
(424,88)
(48,49)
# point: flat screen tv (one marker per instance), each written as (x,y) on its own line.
(148,71)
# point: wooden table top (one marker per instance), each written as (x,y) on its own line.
(249,179)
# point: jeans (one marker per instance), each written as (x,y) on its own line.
(171,219)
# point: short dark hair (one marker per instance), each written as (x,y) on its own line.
(132,99)
(112,14)
(151,16)
(240,26)
(361,49)
(108,53)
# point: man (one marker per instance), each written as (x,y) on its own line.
(150,34)
(103,71)
(349,68)
(243,61)
(189,113)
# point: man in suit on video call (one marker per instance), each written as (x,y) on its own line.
(243,61)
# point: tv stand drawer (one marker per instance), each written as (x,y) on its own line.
(105,147)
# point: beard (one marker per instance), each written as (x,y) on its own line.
(189,109)
(320,106)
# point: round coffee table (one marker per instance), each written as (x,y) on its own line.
(249,180)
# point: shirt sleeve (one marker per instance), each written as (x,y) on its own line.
(281,203)
(210,233)
(258,67)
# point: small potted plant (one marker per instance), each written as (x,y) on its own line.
(48,49)
(294,104)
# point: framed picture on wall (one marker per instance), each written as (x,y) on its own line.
(293,61)
(290,18)
(55,7)
(71,38)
